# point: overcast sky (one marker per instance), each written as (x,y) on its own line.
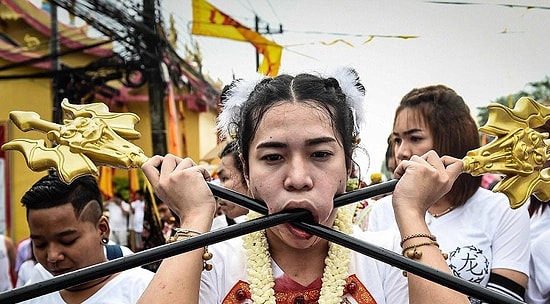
(484,50)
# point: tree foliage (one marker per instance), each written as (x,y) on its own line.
(539,91)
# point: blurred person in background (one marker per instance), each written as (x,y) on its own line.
(118,218)
(7,263)
(231,176)
(486,241)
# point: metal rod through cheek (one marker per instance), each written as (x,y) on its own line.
(339,201)
(373,251)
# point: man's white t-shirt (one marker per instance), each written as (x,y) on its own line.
(125,288)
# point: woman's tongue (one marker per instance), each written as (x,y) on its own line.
(299,233)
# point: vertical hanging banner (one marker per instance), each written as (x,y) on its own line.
(105,181)
(4,180)
(174,142)
(210,21)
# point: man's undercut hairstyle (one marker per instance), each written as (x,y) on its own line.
(50,192)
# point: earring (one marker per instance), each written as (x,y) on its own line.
(104,240)
(356,140)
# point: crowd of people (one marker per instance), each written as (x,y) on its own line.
(290,143)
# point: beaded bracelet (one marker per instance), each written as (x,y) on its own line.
(183,234)
(417,235)
(416,254)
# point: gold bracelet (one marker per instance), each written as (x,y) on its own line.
(417,235)
(183,234)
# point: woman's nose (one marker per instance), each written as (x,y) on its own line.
(402,151)
(298,176)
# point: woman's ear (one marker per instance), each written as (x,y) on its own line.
(245,171)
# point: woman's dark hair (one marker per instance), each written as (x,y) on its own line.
(50,192)
(453,129)
(324,93)
(389,155)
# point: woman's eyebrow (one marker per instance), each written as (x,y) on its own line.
(309,142)
(408,132)
(320,140)
(271,144)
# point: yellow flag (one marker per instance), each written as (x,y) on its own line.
(210,21)
(272,59)
(105,182)
(174,143)
(133,180)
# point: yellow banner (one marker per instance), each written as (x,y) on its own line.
(105,181)
(210,21)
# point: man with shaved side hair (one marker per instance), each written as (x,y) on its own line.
(68,232)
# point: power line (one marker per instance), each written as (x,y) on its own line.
(273,10)
(494,4)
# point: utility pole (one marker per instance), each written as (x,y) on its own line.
(266,31)
(156,87)
(54,51)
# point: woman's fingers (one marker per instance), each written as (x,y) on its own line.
(151,169)
(180,182)
(425,179)
(453,165)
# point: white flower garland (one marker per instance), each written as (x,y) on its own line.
(260,274)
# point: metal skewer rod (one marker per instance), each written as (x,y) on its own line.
(147,256)
(165,251)
(373,251)
(397,260)
(339,201)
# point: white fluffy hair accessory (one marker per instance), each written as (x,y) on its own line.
(353,89)
(235,97)
(239,91)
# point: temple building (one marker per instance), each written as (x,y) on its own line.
(89,70)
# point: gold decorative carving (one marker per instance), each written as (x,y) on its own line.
(31,41)
(90,137)
(519,151)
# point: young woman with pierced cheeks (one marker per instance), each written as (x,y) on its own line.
(296,135)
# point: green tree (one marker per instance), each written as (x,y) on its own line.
(539,91)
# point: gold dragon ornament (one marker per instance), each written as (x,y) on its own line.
(519,151)
(93,136)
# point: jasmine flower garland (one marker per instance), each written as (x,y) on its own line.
(260,274)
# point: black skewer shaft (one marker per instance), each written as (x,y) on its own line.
(364,193)
(373,251)
(145,257)
(237,198)
(155,254)
(397,260)
(339,201)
